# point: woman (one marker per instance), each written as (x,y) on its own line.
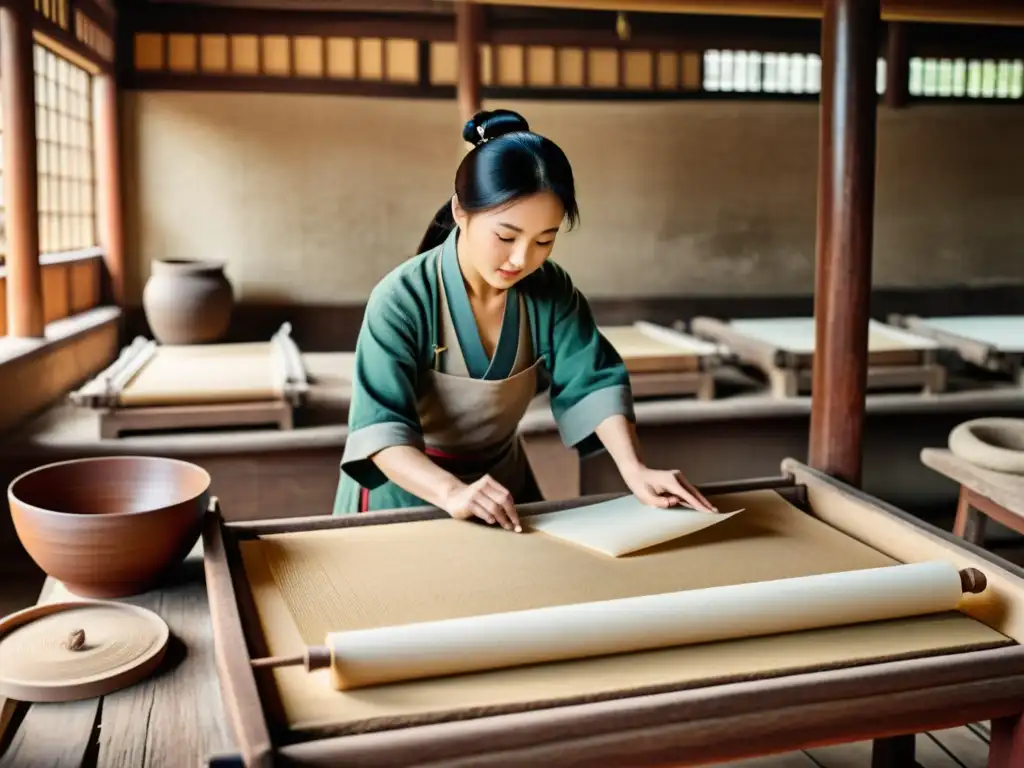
(458,340)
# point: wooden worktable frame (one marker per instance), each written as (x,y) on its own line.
(985,356)
(687,727)
(789,373)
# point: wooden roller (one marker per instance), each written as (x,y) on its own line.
(364,657)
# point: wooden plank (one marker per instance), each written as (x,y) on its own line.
(928,754)
(240,692)
(945,11)
(34,744)
(970,749)
(115,422)
(786,760)
(177,712)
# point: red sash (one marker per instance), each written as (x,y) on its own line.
(464,464)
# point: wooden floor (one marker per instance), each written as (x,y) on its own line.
(955,748)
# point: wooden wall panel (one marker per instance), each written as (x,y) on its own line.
(603,68)
(540,63)
(149,51)
(444,63)
(571,68)
(55,11)
(213,53)
(341,57)
(388,61)
(245,55)
(510,71)
(36,380)
(84,283)
(70,286)
(637,69)
(94,36)
(312,57)
(182,53)
(402,61)
(56,292)
(309,56)
(668,69)
(276,55)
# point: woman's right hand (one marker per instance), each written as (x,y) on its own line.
(486,499)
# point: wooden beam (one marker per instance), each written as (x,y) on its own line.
(214,20)
(61,42)
(468,28)
(897,65)
(24,274)
(846,184)
(1002,12)
(331,6)
(110,211)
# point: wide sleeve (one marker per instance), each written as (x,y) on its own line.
(588,379)
(382,412)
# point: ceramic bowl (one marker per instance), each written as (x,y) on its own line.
(111,526)
(995,443)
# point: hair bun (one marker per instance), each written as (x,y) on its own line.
(490,125)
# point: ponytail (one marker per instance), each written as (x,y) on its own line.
(439,228)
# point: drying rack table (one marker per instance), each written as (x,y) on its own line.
(663,362)
(782,348)
(286,715)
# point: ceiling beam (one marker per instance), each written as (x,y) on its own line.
(442,7)
(997,12)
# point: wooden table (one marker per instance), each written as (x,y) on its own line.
(173,719)
(984,494)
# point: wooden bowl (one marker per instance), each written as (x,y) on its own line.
(111,526)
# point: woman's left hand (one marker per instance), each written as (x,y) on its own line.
(665,488)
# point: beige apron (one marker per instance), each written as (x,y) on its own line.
(465,417)
(470,426)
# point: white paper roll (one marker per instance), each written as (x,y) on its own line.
(431,649)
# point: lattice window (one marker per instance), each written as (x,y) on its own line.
(765,72)
(67,193)
(966,79)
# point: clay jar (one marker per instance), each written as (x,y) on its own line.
(187,302)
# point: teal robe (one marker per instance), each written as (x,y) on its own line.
(585,377)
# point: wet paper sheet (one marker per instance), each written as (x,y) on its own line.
(623,526)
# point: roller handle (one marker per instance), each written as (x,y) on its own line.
(972,581)
(315,657)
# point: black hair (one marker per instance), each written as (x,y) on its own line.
(508,162)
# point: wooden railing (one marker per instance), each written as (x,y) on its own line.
(72,284)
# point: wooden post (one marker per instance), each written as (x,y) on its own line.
(846,201)
(24,274)
(846,181)
(897,65)
(468,27)
(110,218)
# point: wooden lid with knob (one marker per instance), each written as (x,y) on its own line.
(78,650)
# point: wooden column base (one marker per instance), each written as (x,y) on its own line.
(897,752)
(1006,750)
(973,512)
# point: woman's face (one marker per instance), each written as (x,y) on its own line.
(507,244)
